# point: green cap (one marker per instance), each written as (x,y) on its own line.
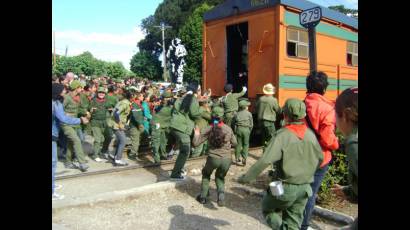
(217,111)
(118,80)
(101,90)
(132,89)
(244,103)
(167,94)
(75,84)
(295,109)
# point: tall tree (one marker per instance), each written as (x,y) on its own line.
(146,65)
(350,12)
(191,36)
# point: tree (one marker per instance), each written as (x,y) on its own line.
(145,64)
(349,12)
(116,70)
(191,36)
(85,63)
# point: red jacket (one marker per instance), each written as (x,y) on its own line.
(322,115)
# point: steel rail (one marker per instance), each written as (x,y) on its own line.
(131,167)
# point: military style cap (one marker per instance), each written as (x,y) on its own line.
(101,90)
(75,84)
(132,89)
(118,80)
(167,94)
(228,88)
(295,109)
(244,103)
(217,111)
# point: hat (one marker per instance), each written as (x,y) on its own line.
(101,90)
(244,103)
(217,111)
(167,94)
(269,89)
(295,109)
(75,84)
(118,80)
(228,88)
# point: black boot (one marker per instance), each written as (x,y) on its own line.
(244,161)
(201,199)
(221,199)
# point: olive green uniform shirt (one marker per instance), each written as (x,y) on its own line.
(184,122)
(267,108)
(297,160)
(225,150)
(230,101)
(243,119)
(352,155)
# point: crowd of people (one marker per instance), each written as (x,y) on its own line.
(298,138)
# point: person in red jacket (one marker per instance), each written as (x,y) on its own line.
(321,118)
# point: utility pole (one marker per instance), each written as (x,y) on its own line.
(163,27)
(54,53)
(66,50)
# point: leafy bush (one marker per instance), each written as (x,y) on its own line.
(337,173)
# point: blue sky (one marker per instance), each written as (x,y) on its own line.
(110,29)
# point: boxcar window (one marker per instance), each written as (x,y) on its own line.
(297,43)
(352,54)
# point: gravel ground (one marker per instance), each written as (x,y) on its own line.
(177,208)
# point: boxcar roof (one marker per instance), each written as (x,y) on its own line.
(226,9)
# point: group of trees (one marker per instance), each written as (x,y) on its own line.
(185,17)
(86,64)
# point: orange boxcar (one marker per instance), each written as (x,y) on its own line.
(264,40)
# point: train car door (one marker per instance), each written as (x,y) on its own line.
(237,56)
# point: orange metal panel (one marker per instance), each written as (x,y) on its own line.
(261,59)
(214,70)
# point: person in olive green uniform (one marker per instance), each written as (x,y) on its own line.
(347,120)
(220,138)
(230,103)
(71,107)
(112,101)
(268,109)
(136,125)
(120,114)
(99,127)
(202,122)
(186,110)
(160,128)
(86,96)
(243,123)
(297,154)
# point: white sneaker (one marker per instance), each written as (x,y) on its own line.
(98,159)
(57,186)
(57,196)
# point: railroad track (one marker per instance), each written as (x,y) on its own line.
(136,166)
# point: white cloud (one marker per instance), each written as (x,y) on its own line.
(105,46)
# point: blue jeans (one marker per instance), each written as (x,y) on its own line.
(62,143)
(121,141)
(317,181)
(53,163)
